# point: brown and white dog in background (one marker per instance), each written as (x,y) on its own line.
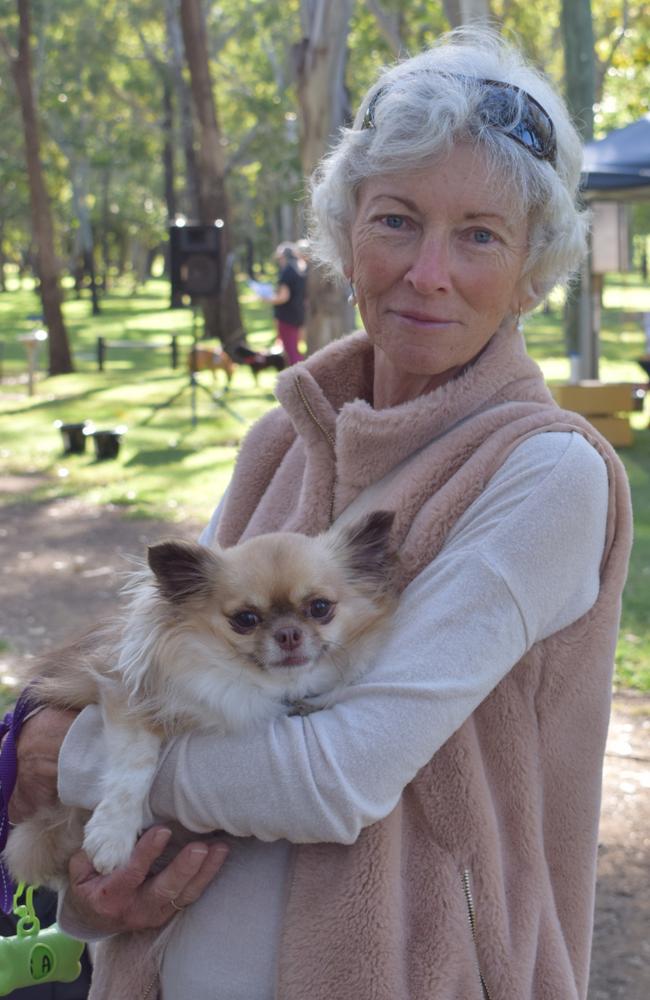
(212,359)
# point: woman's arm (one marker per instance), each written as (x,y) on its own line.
(522,563)
(280,296)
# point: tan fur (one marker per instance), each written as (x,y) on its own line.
(211,359)
(179,657)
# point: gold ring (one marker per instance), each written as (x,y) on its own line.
(176,906)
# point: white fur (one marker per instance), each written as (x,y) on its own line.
(170,665)
(114,827)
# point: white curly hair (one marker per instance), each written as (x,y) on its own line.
(425,104)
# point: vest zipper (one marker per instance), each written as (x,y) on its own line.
(469,901)
(148,994)
(328,437)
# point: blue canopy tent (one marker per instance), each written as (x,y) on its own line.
(618,166)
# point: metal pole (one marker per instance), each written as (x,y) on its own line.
(31,364)
(588,348)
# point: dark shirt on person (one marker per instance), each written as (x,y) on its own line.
(293,310)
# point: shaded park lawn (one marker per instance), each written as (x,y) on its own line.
(167,468)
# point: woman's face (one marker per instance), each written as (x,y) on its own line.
(437,255)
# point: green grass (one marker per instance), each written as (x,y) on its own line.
(168,468)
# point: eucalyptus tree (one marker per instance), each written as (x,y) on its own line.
(15,233)
(20,59)
(460,12)
(320,60)
(222,317)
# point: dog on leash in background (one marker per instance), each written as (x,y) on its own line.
(215,359)
(223,638)
(211,359)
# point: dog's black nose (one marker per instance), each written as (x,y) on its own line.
(288,638)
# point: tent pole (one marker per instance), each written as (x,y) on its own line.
(589,322)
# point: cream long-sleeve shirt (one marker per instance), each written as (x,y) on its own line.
(520,564)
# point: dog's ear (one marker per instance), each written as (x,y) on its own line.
(182,569)
(365,545)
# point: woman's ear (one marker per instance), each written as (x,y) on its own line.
(525,296)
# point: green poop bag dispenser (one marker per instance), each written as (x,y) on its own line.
(36,956)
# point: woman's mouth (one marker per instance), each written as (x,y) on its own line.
(424,319)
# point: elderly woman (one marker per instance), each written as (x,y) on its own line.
(433,834)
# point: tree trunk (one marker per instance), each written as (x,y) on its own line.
(79,170)
(105,234)
(3,259)
(320,61)
(461,12)
(168,149)
(176,300)
(579,64)
(580,76)
(60,359)
(184,105)
(221,315)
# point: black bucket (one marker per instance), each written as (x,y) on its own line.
(74,438)
(107,444)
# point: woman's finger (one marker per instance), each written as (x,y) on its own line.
(147,850)
(187,875)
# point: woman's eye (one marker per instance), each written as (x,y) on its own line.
(394,221)
(482,236)
(321,608)
(245,621)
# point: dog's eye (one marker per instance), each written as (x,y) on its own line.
(245,621)
(321,608)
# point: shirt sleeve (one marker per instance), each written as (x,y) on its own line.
(209,534)
(522,562)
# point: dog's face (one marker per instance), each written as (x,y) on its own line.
(284,604)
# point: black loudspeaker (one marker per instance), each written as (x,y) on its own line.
(194,257)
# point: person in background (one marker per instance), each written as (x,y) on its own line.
(288,300)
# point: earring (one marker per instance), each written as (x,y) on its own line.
(352,297)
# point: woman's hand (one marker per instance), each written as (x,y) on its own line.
(38,756)
(129,899)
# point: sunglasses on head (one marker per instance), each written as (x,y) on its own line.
(508,109)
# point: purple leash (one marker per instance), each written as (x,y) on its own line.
(9,732)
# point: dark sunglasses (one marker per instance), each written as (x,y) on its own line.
(502,105)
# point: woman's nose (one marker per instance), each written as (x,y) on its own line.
(429,270)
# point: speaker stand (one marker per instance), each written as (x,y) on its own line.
(193,384)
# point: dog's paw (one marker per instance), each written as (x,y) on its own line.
(108,843)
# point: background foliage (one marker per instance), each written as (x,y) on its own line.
(99,71)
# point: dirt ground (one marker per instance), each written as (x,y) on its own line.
(61,564)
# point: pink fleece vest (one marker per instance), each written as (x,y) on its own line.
(480,883)
(502,824)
